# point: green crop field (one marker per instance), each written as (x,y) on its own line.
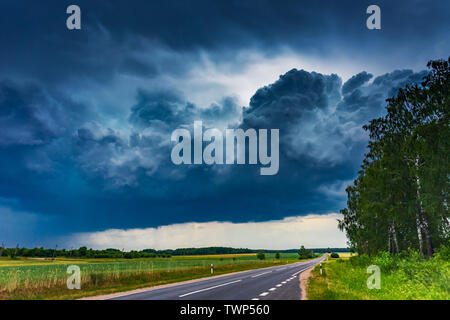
(33,278)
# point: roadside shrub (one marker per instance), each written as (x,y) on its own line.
(261,255)
(334,255)
(414,256)
(360,261)
(385,261)
(304,253)
(443,253)
(404,254)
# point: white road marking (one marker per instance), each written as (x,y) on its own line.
(210,288)
(298,272)
(261,274)
(272,289)
(278,285)
(283,282)
(264,294)
(255,299)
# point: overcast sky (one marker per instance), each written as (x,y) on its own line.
(86,115)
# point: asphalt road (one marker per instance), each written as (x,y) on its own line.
(273,283)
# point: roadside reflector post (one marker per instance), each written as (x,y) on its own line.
(320,269)
(212,268)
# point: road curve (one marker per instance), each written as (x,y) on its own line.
(273,283)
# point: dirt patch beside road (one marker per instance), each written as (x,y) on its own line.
(304,278)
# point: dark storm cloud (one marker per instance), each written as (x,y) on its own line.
(320,118)
(138,67)
(318,143)
(125,158)
(78,153)
(284,102)
(28,115)
(173,110)
(356,81)
(364,100)
(124,178)
(36,43)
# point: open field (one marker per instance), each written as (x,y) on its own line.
(342,255)
(402,278)
(30,278)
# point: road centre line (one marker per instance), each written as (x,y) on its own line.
(210,288)
(299,272)
(261,274)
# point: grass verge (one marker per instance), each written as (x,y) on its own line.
(404,277)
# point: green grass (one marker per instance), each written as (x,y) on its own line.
(26,278)
(402,278)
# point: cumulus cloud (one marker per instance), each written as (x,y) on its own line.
(115,156)
(356,81)
(313,231)
(320,118)
(122,156)
(120,167)
(336,188)
(173,110)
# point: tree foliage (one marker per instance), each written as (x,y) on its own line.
(400,198)
(261,255)
(304,253)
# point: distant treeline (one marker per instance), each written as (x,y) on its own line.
(84,252)
(226,250)
(316,250)
(201,251)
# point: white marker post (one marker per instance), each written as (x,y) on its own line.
(320,269)
(212,268)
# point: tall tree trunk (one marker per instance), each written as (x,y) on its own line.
(419,215)
(394,238)
(389,242)
(419,234)
(426,230)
